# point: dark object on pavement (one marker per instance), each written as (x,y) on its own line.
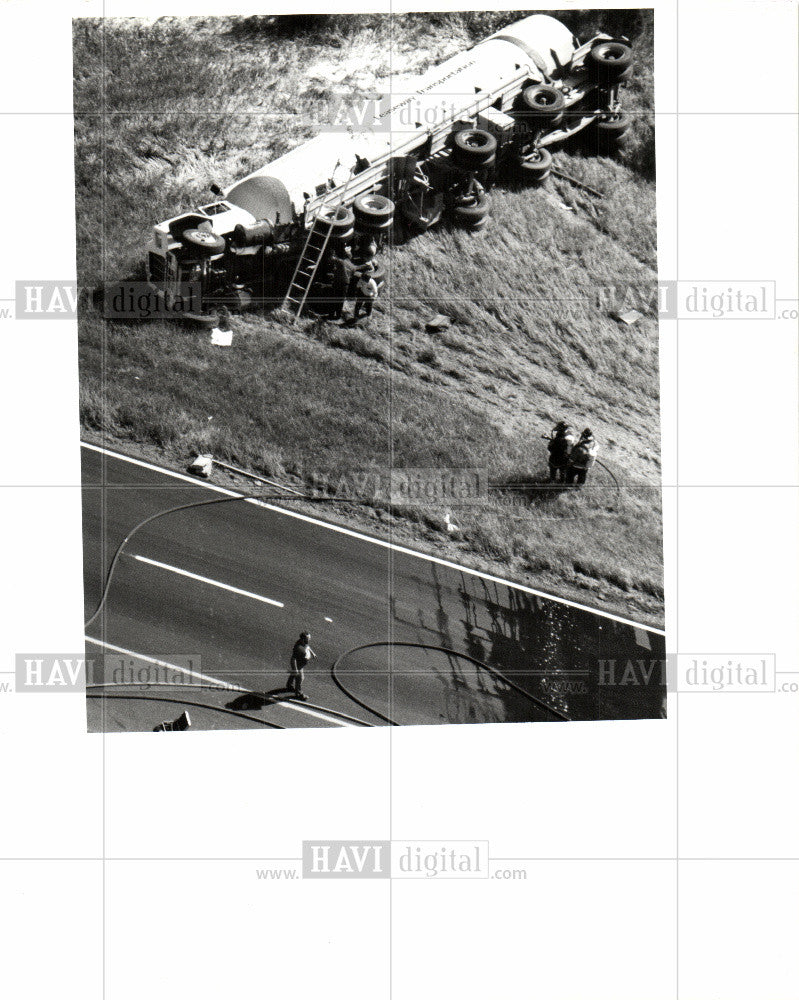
(179,725)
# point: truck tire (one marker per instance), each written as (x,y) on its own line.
(614,124)
(373,210)
(259,234)
(473,148)
(541,104)
(204,240)
(536,166)
(343,227)
(472,214)
(365,226)
(610,131)
(341,219)
(608,61)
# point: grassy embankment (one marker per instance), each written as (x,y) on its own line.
(194,101)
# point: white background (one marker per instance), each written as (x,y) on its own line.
(667,850)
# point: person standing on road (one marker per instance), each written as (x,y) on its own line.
(301,656)
(582,457)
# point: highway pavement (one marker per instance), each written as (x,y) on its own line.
(205,603)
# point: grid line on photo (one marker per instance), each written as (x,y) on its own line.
(104,390)
(248,113)
(599,489)
(675,611)
(390,622)
(171,859)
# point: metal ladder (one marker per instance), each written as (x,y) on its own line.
(313,251)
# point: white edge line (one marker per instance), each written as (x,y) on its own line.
(375,541)
(170,666)
(223,685)
(205,579)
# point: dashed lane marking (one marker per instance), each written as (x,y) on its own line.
(209,581)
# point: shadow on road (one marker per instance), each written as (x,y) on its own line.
(251,701)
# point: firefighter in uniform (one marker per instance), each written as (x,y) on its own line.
(561,442)
(582,457)
(301,656)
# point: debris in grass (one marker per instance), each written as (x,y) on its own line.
(438,322)
(221,338)
(452,528)
(577,183)
(628,318)
(202,466)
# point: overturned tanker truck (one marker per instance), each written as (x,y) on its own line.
(502,103)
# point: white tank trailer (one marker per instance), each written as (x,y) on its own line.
(407,160)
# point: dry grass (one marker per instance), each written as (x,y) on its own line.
(529,343)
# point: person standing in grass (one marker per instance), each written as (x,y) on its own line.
(561,442)
(301,656)
(224,319)
(582,458)
(365,295)
(342,273)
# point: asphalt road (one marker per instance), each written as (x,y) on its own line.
(205,604)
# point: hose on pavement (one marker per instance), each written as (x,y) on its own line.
(553,713)
(155,517)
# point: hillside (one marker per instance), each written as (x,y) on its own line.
(192,101)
